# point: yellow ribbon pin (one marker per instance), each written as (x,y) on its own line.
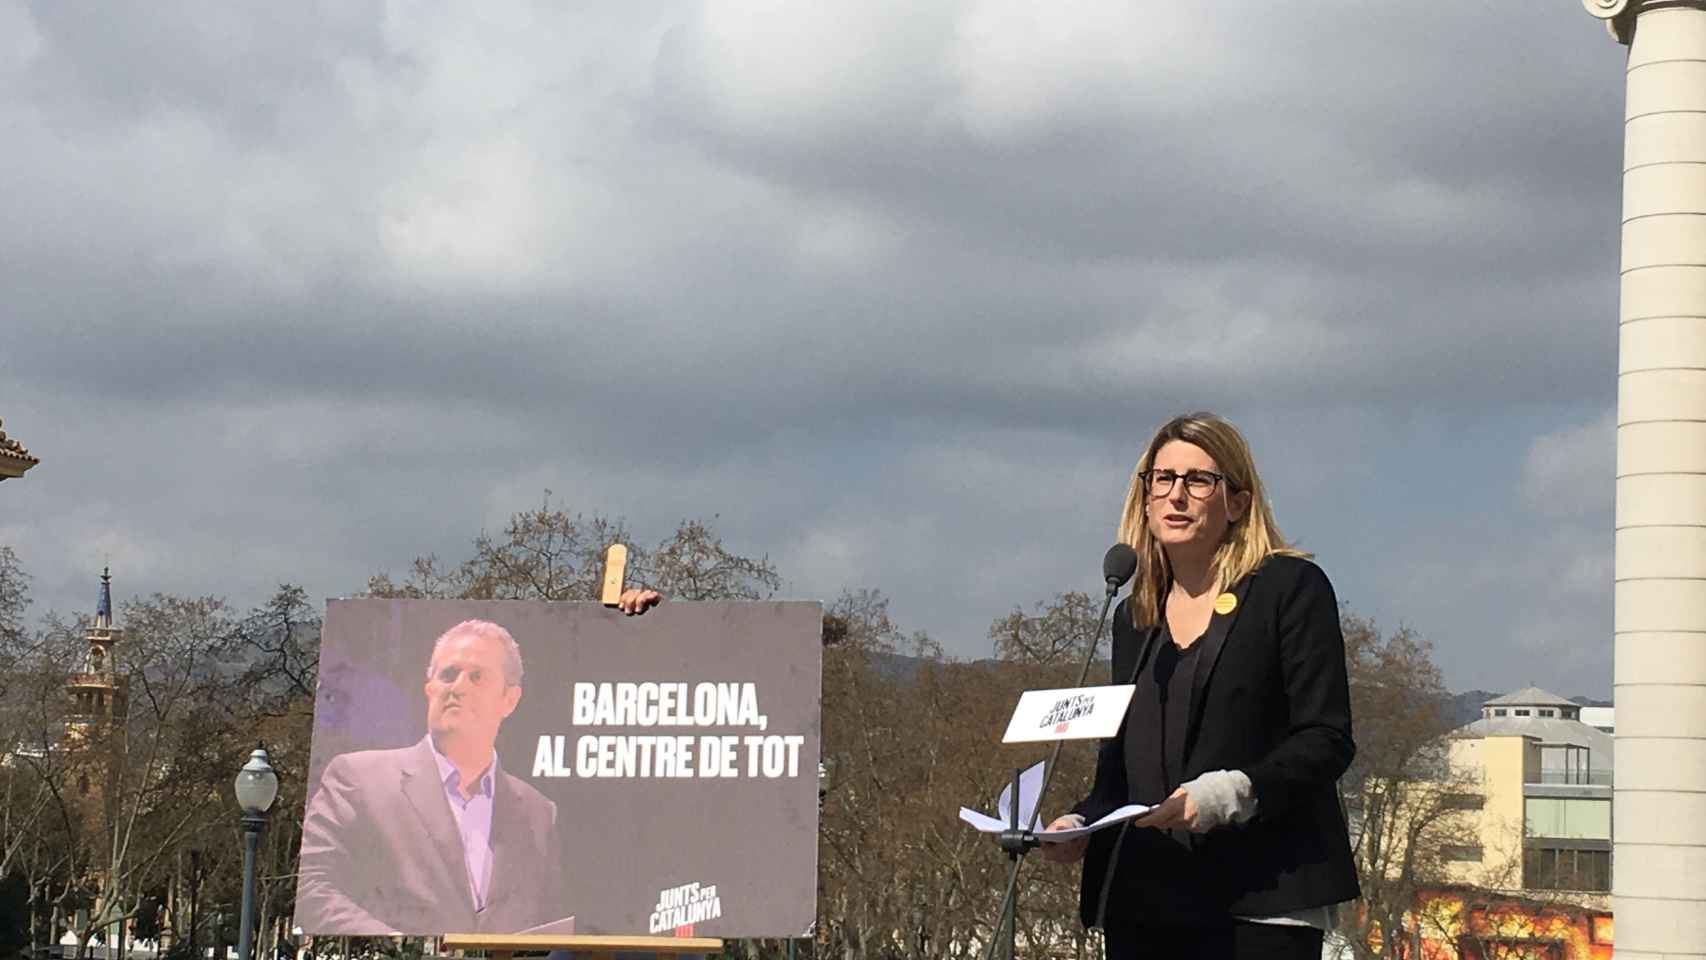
(1225,604)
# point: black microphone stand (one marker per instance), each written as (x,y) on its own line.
(1019,840)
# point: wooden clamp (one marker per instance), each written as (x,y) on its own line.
(615,572)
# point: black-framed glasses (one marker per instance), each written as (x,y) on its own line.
(1199,484)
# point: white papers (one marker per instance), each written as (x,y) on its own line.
(1121,815)
(1030,785)
(984,822)
(1030,789)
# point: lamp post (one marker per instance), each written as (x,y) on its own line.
(195,892)
(257,788)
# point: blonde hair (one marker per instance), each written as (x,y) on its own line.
(1250,539)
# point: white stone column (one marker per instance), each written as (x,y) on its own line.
(1659,800)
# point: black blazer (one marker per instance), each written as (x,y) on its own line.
(1269,697)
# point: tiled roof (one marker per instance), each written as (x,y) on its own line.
(1548,730)
(14,450)
(1531,697)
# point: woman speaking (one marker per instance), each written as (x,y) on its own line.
(1238,730)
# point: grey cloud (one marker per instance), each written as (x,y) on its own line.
(883,287)
(1292,131)
(245,67)
(1571,472)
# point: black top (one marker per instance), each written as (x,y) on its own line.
(1153,764)
(1268,695)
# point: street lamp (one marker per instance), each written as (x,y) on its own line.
(257,788)
(195,892)
(825,780)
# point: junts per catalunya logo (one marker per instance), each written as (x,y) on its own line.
(679,908)
(1066,710)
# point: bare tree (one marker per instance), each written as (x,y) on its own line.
(14,595)
(542,554)
(1405,805)
(22,800)
(1061,630)
(155,794)
(98,809)
(693,564)
(912,737)
(32,848)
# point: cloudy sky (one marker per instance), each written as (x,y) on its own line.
(894,290)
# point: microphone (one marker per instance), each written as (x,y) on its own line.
(1121,562)
(1118,564)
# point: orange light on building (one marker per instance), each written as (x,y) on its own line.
(1466,924)
(1604,931)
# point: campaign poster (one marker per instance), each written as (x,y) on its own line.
(514,766)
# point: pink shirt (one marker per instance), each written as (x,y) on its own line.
(473,821)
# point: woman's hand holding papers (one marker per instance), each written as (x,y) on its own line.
(1071,851)
(1178,810)
(1213,800)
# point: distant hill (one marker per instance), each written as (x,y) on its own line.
(899,666)
(1460,708)
(1465,707)
(895,666)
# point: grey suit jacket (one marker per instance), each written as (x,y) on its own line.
(381,852)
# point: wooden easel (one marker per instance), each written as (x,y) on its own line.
(504,946)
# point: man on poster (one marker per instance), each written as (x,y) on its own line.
(438,836)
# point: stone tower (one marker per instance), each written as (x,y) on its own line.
(94,724)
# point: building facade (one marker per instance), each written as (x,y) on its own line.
(1534,786)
